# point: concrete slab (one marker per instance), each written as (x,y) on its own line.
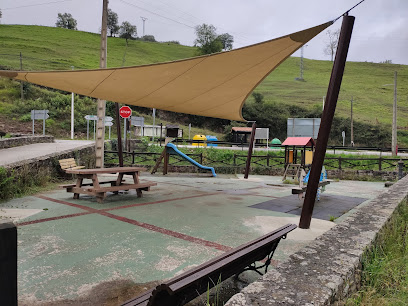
(84,253)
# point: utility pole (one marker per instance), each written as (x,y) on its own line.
(301,63)
(351,119)
(72,112)
(394,118)
(100,135)
(144,19)
(21,82)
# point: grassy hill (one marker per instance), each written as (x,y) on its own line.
(45,48)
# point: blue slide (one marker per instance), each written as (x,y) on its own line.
(172,149)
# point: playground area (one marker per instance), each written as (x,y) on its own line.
(80,252)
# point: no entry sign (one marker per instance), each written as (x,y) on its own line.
(125,112)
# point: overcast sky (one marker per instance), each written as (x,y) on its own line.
(380,31)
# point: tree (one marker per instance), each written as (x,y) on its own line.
(331,46)
(66,21)
(1,14)
(127,30)
(207,39)
(226,41)
(113,25)
(149,38)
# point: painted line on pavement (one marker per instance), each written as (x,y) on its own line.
(53,218)
(148,226)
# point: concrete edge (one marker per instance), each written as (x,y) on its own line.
(329,269)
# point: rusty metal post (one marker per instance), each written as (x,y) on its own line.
(251,146)
(120,152)
(327,120)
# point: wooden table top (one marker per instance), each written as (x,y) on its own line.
(106,170)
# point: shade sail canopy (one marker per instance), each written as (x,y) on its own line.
(214,85)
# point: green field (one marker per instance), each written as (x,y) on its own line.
(370,84)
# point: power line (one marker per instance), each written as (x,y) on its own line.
(141,8)
(168,18)
(38,4)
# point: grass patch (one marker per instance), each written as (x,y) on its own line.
(384,275)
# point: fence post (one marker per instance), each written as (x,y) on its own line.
(267,160)
(201,158)
(400,168)
(380,164)
(8,263)
(235,162)
(133,157)
(340,163)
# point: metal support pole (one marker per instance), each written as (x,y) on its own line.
(87,129)
(72,113)
(8,263)
(45,114)
(394,118)
(118,132)
(21,82)
(124,132)
(352,127)
(33,127)
(327,120)
(251,146)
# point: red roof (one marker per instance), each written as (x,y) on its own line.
(242,129)
(299,141)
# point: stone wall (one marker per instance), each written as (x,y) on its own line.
(23,140)
(329,269)
(40,171)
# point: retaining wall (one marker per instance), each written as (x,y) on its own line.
(329,269)
(24,140)
(48,165)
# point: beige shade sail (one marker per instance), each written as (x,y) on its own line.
(215,85)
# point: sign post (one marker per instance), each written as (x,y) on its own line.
(88,118)
(109,123)
(125,112)
(39,115)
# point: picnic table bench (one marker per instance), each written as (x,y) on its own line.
(192,283)
(117,185)
(69,164)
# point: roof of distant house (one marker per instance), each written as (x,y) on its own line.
(241,129)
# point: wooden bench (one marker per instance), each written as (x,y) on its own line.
(187,286)
(300,190)
(69,164)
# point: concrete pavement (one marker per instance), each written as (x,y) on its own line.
(79,252)
(18,154)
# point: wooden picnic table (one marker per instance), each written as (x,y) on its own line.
(116,185)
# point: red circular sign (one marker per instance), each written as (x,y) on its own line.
(125,112)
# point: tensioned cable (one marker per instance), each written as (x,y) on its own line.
(346,12)
(37,4)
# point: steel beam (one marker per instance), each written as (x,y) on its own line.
(327,120)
